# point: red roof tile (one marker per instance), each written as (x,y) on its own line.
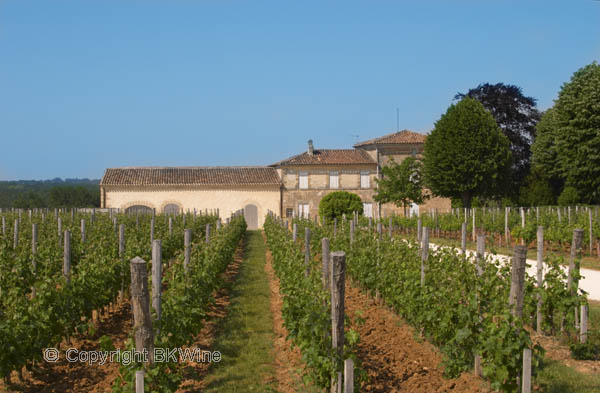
(205,176)
(329,157)
(400,137)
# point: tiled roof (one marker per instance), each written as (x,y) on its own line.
(400,137)
(204,176)
(329,157)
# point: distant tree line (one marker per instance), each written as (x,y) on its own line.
(494,147)
(27,194)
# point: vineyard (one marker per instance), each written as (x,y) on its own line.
(506,227)
(63,274)
(60,271)
(475,310)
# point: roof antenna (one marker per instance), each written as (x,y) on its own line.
(397,119)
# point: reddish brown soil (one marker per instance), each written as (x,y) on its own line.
(194,373)
(288,360)
(393,359)
(561,353)
(78,377)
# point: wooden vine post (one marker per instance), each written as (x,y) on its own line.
(506,231)
(67,256)
(591,231)
(207,233)
(463,238)
(517,282)
(325,279)
(156,279)
(306,251)
(419,230)
(526,377)
(540,277)
(151,230)
(139,381)
(574,267)
(583,324)
(474,228)
(187,243)
(348,376)
(82,230)
(294,232)
(424,254)
(16,234)
(338,276)
(121,256)
(140,301)
(391,227)
(479,261)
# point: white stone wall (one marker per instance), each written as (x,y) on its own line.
(227,200)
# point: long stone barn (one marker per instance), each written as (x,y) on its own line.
(291,187)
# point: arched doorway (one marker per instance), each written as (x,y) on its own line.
(138,209)
(251,216)
(171,208)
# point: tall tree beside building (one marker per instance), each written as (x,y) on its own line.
(517,116)
(401,184)
(568,142)
(466,154)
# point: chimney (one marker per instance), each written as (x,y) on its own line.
(311,148)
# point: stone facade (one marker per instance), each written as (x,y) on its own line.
(319,186)
(275,188)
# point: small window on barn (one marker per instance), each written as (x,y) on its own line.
(171,208)
(413,152)
(365,180)
(303,180)
(334,179)
(289,212)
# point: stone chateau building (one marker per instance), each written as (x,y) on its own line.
(290,187)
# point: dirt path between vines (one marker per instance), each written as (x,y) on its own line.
(63,376)
(193,375)
(393,359)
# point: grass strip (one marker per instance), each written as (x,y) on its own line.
(245,336)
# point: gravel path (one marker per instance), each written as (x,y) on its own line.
(590,281)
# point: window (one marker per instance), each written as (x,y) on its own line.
(289,212)
(334,179)
(303,180)
(303,210)
(368,209)
(365,180)
(413,152)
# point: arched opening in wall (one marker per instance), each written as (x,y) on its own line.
(171,208)
(251,216)
(138,209)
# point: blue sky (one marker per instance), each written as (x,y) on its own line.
(91,84)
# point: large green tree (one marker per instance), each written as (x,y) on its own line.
(517,116)
(401,184)
(467,154)
(568,142)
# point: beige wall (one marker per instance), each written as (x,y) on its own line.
(227,200)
